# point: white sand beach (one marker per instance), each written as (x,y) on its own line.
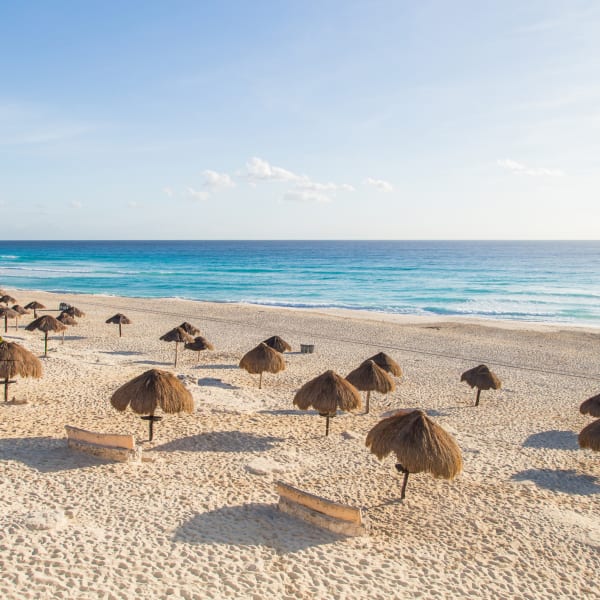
(198,518)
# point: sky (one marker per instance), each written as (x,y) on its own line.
(300,119)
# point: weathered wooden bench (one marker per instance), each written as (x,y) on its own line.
(339,518)
(112,446)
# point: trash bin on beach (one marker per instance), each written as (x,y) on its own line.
(307,348)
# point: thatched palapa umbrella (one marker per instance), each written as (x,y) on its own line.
(7,313)
(481,378)
(589,437)
(420,445)
(369,377)
(387,363)
(177,335)
(66,319)
(46,324)
(21,311)
(278,344)
(261,359)
(73,311)
(119,319)
(35,306)
(151,390)
(16,360)
(6,299)
(198,345)
(189,328)
(326,393)
(591,406)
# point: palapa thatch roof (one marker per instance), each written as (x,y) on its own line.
(369,377)
(261,359)
(35,305)
(591,406)
(73,311)
(419,444)
(177,335)
(189,328)
(6,299)
(66,319)
(8,313)
(119,319)
(20,310)
(278,344)
(481,378)
(589,437)
(16,360)
(387,363)
(199,344)
(46,324)
(326,393)
(151,390)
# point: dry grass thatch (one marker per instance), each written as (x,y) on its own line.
(7,299)
(419,444)
(591,406)
(369,377)
(66,319)
(199,344)
(151,390)
(262,359)
(35,305)
(46,324)
(18,361)
(119,319)
(73,311)
(326,393)
(589,437)
(8,313)
(278,344)
(177,335)
(387,363)
(20,309)
(481,378)
(189,328)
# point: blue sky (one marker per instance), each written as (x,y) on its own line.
(283,120)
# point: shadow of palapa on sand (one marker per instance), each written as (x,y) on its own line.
(287,411)
(221,441)
(253,525)
(215,382)
(123,353)
(220,366)
(150,362)
(553,439)
(561,480)
(47,455)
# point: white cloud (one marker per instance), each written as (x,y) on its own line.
(196,194)
(520,169)
(306,197)
(75,204)
(169,192)
(324,187)
(214,180)
(379,184)
(258,169)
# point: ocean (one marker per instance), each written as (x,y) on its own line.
(553,282)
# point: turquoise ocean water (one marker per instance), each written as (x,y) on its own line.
(534,281)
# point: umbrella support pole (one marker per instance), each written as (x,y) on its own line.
(368,398)
(7,382)
(260,381)
(119,329)
(327,425)
(401,469)
(45,343)
(151,419)
(176,344)
(477,397)
(5,324)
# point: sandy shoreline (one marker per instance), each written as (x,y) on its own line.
(197,520)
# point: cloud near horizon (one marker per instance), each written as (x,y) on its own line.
(214,181)
(520,169)
(380,185)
